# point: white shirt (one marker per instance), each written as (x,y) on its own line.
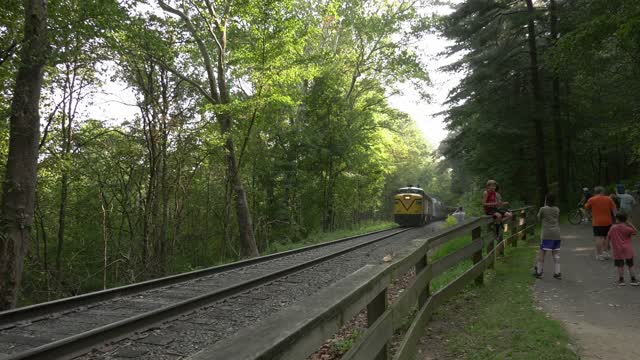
(459,216)
(626,202)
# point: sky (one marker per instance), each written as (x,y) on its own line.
(115,102)
(421,111)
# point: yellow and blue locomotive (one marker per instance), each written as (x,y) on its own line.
(413,207)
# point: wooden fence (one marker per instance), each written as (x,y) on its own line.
(305,326)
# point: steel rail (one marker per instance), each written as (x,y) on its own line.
(81,343)
(66,304)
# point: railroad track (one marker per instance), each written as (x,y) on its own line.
(73,326)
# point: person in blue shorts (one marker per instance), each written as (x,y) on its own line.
(549,216)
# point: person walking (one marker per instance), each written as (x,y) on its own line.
(602,208)
(549,215)
(627,201)
(620,238)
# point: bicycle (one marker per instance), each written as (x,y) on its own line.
(578,216)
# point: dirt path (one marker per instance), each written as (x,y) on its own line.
(603,318)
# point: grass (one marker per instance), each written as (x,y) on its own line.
(343,345)
(321,237)
(449,247)
(456,270)
(499,320)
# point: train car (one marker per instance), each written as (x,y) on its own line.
(414,207)
(440,211)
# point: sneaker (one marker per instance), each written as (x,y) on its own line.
(557,276)
(536,274)
(634,282)
(621,282)
(605,255)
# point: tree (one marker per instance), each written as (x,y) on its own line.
(577,87)
(561,165)
(255,119)
(537,110)
(18,200)
(214,19)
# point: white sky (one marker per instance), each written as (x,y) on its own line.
(116,103)
(422,112)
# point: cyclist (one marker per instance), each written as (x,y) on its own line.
(586,195)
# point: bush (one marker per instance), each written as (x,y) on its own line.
(449,222)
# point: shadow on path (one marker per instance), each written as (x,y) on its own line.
(603,318)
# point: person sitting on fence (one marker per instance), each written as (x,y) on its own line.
(459,215)
(493,204)
(549,216)
(620,238)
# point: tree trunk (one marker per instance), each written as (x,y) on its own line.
(245,224)
(556,114)
(64,191)
(164,221)
(164,180)
(20,177)
(541,170)
(218,94)
(105,258)
(328,213)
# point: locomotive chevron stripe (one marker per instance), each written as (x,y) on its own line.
(413,207)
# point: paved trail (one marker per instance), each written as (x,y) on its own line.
(602,318)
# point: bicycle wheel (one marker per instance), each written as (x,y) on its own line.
(575,217)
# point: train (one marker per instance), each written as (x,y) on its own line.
(414,207)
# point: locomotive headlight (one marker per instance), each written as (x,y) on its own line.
(407,197)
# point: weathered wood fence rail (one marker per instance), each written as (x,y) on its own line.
(297,332)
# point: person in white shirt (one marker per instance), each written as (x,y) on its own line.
(459,215)
(627,201)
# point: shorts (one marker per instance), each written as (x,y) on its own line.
(621,262)
(494,211)
(601,230)
(550,245)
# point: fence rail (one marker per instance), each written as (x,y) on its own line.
(305,326)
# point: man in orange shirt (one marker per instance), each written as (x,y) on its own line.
(602,211)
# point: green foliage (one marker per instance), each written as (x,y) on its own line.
(449,247)
(318,147)
(343,345)
(589,115)
(450,221)
(320,237)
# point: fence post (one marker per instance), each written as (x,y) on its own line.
(528,217)
(375,309)
(490,244)
(520,221)
(504,244)
(513,230)
(476,234)
(423,296)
